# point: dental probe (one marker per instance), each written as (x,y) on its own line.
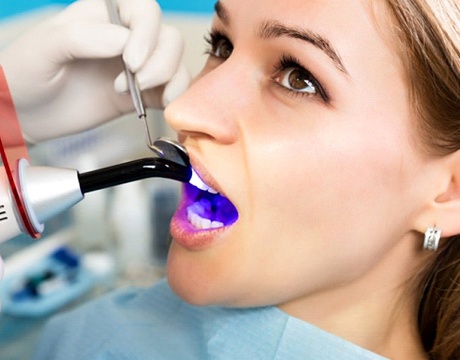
(132,84)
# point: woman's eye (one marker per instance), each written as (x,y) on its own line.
(297,80)
(220,45)
(293,77)
(223,49)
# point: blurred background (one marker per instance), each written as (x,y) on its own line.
(113,238)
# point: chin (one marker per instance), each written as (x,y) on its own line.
(193,292)
(205,279)
(187,293)
(189,278)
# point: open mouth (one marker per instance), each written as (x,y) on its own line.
(208,209)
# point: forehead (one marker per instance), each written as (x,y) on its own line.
(355,28)
(305,12)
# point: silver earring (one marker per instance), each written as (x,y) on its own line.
(432,237)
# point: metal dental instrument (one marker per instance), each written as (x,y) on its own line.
(132,83)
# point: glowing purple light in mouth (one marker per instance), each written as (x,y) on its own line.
(209,209)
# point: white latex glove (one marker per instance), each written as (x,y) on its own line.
(62,73)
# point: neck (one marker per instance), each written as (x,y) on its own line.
(376,311)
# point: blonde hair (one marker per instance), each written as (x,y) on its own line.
(429,37)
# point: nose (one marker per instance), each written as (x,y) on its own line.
(210,106)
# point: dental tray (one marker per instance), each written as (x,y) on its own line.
(46,286)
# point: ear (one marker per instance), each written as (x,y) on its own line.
(443,206)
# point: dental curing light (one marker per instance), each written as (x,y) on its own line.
(47,191)
(30,195)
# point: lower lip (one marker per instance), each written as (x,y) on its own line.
(187,236)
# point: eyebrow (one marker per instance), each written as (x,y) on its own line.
(273,29)
(221,12)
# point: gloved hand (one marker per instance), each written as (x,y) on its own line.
(62,73)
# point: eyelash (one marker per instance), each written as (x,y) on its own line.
(215,37)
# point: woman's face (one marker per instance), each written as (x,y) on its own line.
(300,119)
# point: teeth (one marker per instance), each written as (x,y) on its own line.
(200,223)
(196,181)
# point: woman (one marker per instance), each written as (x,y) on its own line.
(329,129)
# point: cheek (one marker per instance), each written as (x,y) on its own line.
(325,206)
(334,184)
